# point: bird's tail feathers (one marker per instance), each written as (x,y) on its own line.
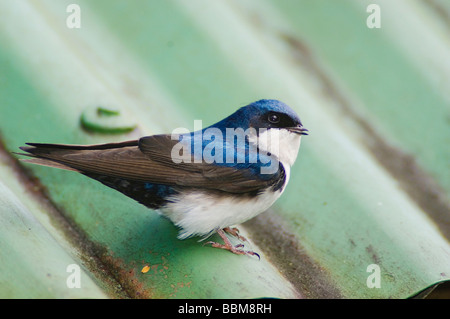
(52,155)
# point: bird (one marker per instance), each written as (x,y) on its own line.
(206,181)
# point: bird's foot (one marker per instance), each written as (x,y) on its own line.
(233,231)
(228,246)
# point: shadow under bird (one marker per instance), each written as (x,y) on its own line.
(205,181)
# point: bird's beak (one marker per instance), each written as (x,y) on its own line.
(298,130)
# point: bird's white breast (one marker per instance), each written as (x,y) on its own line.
(198,213)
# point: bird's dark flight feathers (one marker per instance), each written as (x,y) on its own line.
(148,160)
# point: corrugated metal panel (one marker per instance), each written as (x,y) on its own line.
(370,186)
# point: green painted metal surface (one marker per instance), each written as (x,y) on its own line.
(37,260)
(370,187)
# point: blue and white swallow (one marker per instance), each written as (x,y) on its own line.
(206,181)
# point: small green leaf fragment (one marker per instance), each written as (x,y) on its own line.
(100,119)
(107,112)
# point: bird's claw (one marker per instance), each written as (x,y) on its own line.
(228,246)
(234,232)
(233,249)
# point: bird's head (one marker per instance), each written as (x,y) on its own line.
(277,127)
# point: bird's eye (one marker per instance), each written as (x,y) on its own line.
(273,118)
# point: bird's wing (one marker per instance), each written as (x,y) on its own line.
(230,177)
(150,160)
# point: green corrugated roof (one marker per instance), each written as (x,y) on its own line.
(370,187)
